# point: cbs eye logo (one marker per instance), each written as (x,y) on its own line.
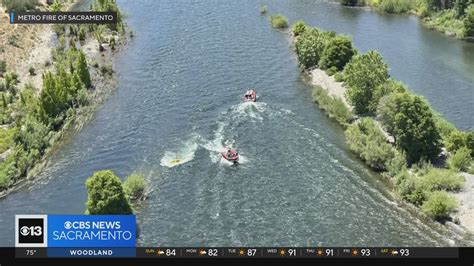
(30,230)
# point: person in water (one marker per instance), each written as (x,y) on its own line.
(231,154)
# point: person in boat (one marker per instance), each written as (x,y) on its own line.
(249,95)
(229,153)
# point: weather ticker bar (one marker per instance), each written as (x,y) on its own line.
(241,252)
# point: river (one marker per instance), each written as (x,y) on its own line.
(181,82)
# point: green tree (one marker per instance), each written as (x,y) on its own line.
(105,194)
(383,89)
(309,47)
(134,186)
(82,69)
(32,134)
(410,120)
(362,75)
(298,28)
(337,53)
(460,7)
(53,97)
(469,22)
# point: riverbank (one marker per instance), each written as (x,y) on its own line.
(464,214)
(452,19)
(46,56)
(368,136)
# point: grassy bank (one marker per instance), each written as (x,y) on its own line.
(71,83)
(454,18)
(395,132)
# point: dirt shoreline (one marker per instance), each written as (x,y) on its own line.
(40,57)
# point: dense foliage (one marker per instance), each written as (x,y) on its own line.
(410,120)
(453,17)
(105,194)
(417,188)
(390,86)
(438,205)
(19,5)
(468,22)
(38,117)
(134,186)
(109,6)
(3,67)
(64,89)
(416,130)
(279,21)
(334,106)
(460,160)
(367,140)
(337,53)
(362,75)
(309,47)
(298,28)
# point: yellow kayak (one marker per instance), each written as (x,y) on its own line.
(175,161)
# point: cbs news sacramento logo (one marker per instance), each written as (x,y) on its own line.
(31,230)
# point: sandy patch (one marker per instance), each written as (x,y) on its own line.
(334,88)
(465,212)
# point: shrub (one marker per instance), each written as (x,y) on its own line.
(468,22)
(105,194)
(298,28)
(6,139)
(331,71)
(351,2)
(406,186)
(445,128)
(384,89)
(441,179)
(362,75)
(456,140)
(263,10)
(82,33)
(367,140)
(82,69)
(470,142)
(339,77)
(19,5)
(460,160)
(106,69)
(3,67)
(279,21)
(422,10)
(31,70)
(410,120)
(309,47)
(439,205)
(337,53)
(4,178)
(397,164)
(334,107)
(395,6)
(134,186)
(112,43)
